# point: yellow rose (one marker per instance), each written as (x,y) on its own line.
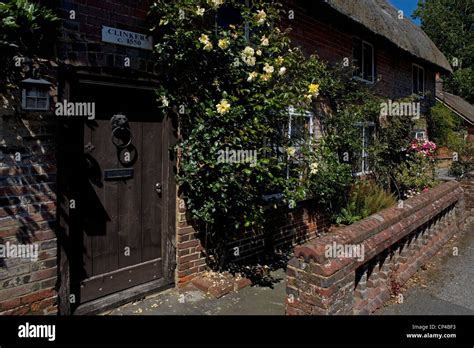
(313,89)
(204,39)
(223,107)
(252,76)
(291,151)
(261,17)
(224,43)
(269,69)
(200,11)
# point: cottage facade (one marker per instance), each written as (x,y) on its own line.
(97,193)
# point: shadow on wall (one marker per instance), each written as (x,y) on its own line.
(27,185)
(255,254)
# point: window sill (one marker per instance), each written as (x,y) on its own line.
(360,79)
(362,174)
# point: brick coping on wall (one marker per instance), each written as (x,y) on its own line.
(386,226)
(396,241)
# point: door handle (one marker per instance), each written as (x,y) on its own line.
(158,188)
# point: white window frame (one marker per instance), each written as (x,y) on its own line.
(24,96)
(308,114)
(292,113)
(365,154)
(417,76)
(358,78)
(417,132)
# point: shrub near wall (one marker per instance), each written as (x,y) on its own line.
(395,243)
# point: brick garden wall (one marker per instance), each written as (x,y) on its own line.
(28,205)
(396,241)
(284,228)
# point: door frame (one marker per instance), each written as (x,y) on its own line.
(70,143)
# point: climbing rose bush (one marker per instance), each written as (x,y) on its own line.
(232,85)
(233,80)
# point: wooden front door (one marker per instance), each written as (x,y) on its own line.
(125,212)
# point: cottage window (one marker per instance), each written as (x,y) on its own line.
(367,136)
(418,78)
(299,130)
(419,135)
(301,127)
(363,60)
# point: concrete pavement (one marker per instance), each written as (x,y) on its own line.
(446,287)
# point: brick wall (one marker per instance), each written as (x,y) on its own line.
(80,39)
(320,30)
(395,243)
(284,228)
(470,132)
(28,205)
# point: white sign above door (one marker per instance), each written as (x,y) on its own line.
(126,38)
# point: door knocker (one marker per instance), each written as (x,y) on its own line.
(121,133)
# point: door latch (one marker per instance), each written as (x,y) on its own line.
(158,188)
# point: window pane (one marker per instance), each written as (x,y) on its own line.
(228,15)
(357,56)
(368,62)
(41,103)
(31,92)
(415,80)
(31,103)
(42,93)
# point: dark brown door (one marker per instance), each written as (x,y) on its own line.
(125,195)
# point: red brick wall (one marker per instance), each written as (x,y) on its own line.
(80,39)
(470,131)
(396,242)
(28,206)
(284,228)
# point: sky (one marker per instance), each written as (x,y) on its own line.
(407,6)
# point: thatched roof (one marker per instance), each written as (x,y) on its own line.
(382,18)
(458,105)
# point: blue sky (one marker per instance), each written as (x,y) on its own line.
(407,6)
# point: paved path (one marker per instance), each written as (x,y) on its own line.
(253,300)
(445,289)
